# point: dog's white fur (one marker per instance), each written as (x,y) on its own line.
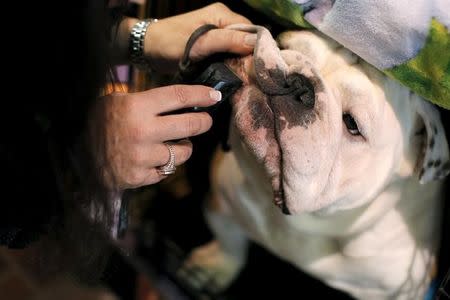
(361,220)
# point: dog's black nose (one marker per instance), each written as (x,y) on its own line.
(293,86)
(302,89)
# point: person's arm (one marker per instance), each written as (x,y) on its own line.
(129,132)
(166,39)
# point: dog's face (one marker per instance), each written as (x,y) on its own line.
(330,130)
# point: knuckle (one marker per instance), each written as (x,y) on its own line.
(180,94)
(219,6)
(194,125)
(134,157)
(220,22)
(130,126)
(136,133)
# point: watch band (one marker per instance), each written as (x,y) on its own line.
(136,44)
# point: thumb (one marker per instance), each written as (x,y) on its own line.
(223,40)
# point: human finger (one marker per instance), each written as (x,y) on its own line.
(174,97)
(141,165)
(223,40)
(180,126)
(182,150)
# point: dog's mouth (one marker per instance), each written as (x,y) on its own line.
(270,101)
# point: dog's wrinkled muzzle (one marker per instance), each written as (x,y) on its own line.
(275,96)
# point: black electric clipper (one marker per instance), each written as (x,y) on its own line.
(210,72)
(220,77)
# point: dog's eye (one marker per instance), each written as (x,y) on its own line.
(351,124)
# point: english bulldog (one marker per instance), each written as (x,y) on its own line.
(334,168)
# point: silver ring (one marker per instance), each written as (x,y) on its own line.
(169,168)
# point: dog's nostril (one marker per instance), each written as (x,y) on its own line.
(303,89)
(286,85)
(307,98)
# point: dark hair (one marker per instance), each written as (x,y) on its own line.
(51,181)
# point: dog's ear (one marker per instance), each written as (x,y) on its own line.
(433,162)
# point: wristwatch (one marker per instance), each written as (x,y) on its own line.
(136,44)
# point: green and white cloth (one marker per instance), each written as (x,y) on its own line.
(407,40)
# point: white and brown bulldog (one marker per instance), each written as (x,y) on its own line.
(334,167)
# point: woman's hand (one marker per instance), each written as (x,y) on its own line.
(166,39)
(128,132)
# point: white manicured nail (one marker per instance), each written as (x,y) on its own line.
(215,95)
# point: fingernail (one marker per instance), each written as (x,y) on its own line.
(215,95)
(250,39)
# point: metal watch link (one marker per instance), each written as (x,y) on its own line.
(136,44)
